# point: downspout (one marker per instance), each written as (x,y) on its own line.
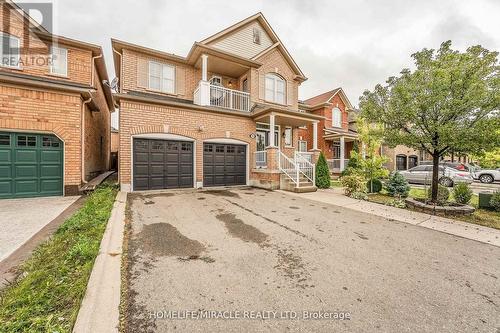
(82,139)
(121,69)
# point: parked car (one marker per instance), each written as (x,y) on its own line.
(454,165)
(486,175)
(422,174)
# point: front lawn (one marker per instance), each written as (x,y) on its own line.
(484,217)
(47,295)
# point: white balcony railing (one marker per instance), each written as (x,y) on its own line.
(334,164)
(305,155)
(212,95)
(261,159)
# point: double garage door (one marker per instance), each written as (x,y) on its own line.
(165,164)
(31,165)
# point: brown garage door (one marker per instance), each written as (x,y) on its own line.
(224,165)
(162,164)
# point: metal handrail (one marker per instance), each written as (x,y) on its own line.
(305,167)
(288,167)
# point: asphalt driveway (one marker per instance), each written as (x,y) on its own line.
(20,219)
(241,255)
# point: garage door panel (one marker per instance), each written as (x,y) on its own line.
(141,183)
(51,156)
(141,157)
(24,187)
(172,182)
(50,185)
(5,171)
(156,170)
(5,156)
(26,156)
(50,171)
(26,171)
(6,188)
(156,183)
(157,157)
(141,170)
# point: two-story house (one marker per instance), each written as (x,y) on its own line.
(54,109)
(337,133)
(227,113)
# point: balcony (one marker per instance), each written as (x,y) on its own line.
(207,94)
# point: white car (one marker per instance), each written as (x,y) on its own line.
(422,174)
(486,176)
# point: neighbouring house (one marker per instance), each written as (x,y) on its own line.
(115,147)
(337,128)
(54,109)
(227,113)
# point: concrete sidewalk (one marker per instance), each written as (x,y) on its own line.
(334,196)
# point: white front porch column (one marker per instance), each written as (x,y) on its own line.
(271,130)
(204,67)
(315,135)
(342,153)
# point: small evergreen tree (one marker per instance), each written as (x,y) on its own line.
(322,172)
(397,186)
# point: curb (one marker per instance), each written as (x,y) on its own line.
(99,311)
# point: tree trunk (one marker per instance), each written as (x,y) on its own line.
(435,177)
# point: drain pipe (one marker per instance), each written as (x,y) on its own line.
(93,70)
(82,138)
(121,69)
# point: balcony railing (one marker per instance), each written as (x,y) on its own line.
(334,164)
(213,95)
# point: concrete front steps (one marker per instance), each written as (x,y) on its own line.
(305,185)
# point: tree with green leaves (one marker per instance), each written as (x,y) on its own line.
(322,172)
(449,102)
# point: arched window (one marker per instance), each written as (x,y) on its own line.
(336,117)
(275,88)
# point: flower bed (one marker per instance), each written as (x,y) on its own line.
(451,209)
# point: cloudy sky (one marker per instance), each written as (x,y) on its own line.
(354,44)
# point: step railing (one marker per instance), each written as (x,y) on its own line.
(305,167)
(287,166)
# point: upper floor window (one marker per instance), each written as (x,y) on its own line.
(216,81)
(9,49)
(161,77)
(256,36)
(275,89)
(336,117)
(59,61)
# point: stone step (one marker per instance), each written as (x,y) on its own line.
(305,189)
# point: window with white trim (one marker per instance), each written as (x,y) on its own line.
(288,136)
(336,117)
(161,77)
(275,88)
(216,81)
(9,49)
(302,145)
(59,61)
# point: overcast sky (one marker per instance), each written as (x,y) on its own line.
(354,44)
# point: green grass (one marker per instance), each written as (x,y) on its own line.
(47,295)
(482,217)
(335,183)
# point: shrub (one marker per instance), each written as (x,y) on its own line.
(443,194)
(322,172)
(462,193)
(374,186)
(495,201)
(353,166)
(353,183)
(399,203)
(397,186)
(359,196)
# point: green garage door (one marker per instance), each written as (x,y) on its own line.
(31,165)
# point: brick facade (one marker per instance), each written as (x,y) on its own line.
(54,107)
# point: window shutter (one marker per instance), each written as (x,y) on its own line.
(142,73)
(180,80)
(290,94)
(262,86)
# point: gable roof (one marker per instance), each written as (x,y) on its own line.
(326,97)
(269,30)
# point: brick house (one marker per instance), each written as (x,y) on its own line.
(337,128)
(54,110)
(227,113)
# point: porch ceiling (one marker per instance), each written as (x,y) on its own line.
(223,67)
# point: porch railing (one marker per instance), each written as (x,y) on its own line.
(305,167)
(288,167)
(261,159)
(308,156)
(334,164)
